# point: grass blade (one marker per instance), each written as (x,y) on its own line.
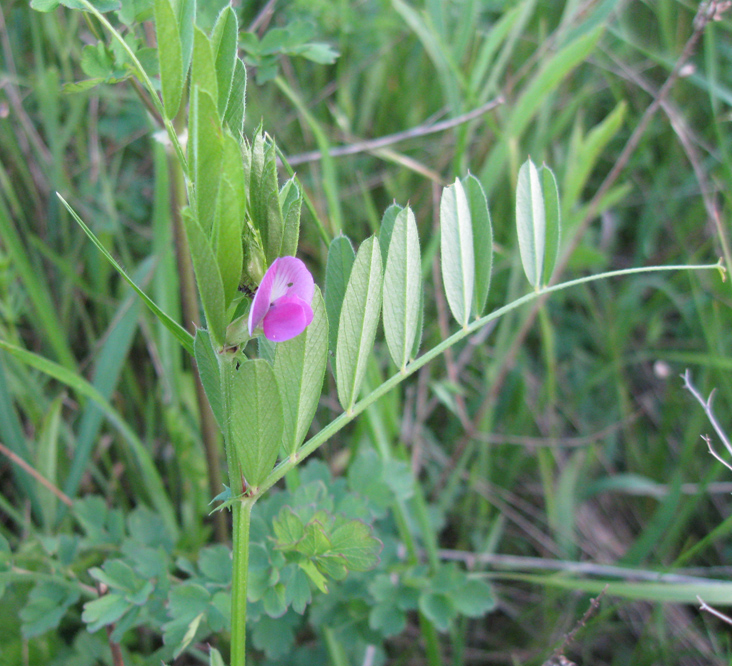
(183,336)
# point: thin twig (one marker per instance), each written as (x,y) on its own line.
(389,139)
(568,638)
(707,406)
(117,658)
(36,475)
(704,606)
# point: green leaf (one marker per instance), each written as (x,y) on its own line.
(288,529)
(206,155)
(183,336)
(358,322)
(438,608)
(224,42)
(236,107)
(317,578)
(275,636)
(208,277)
(208,371)
(170,57)
(47,605)
(354,541)
(386,228)
(229,219)
(456,246)
(255,419)
(297,588)
(186,16)
(482,242)
(203,66)
(264,197)
(474,599)
(552,216)
(120,577)
(300,369)
(215,658)
(531,222)
(104,611)
(291,203)
(402,288)
(337,271)
(96,61)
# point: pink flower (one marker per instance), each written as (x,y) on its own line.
(282,304)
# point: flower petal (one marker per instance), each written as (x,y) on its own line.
(262,299)
(287,318)
(292,278)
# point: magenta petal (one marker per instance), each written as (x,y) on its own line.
(262,299)
(292,278)
(287,318)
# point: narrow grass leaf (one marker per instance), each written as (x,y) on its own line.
(337,271)
(108,367)
(170,57)
(47,460)
(531,222)
(224,39)
(40,296)
(358,321)
(151,478)
(714,592)
(300,369)
(208,277)
(480,218)
(11,432)
(458,260)
(183,336)
(586,153)
(255,420)
(208,371)
(402,288)
(552,216)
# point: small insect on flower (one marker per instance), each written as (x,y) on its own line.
(282,305)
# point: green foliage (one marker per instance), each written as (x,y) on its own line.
(473,459)
(402,288)
(299,367)
(292,40)
(255,418)
(358,320)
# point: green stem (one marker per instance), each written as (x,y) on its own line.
(344,419)
(142,74)
(242,518)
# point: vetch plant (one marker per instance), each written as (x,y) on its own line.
(262,354)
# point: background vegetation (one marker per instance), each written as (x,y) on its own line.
(553,453)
